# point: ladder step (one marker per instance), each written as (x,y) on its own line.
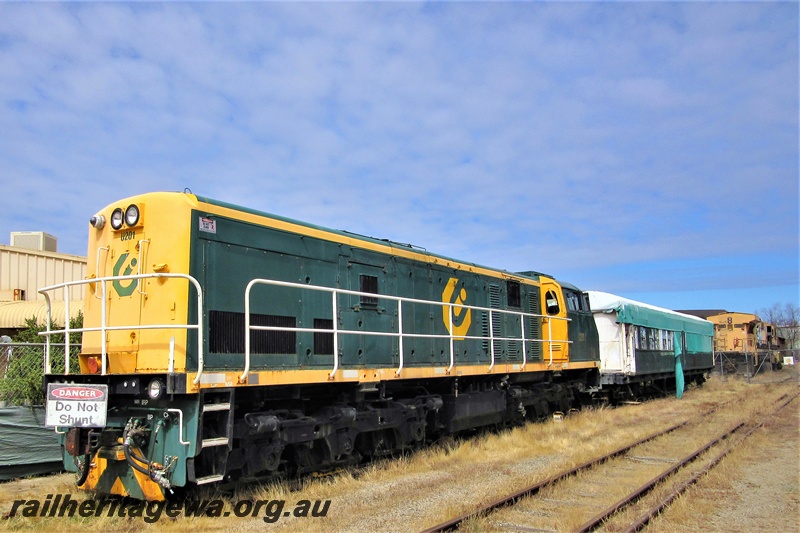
(207,408)
(209,479)
(218,441)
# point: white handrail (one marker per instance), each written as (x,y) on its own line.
(103,328)
(400,334)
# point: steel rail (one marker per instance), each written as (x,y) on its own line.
(648,486)
(656,509)
(512,499)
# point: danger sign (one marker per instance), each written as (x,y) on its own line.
(76,405)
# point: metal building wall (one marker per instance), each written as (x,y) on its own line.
(29,270)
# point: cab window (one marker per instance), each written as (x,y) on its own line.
(514,299)
(551,302)
(573,301)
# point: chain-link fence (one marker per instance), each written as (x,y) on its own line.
(22,371)
(749,364)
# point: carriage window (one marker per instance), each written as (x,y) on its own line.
(368,284)
(514,299)
(552,303)
(585,303)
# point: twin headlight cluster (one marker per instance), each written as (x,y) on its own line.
(128,217)
(155,389)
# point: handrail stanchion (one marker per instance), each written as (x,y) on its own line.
(550,340)
(491,336)
(66,328)
(334,303)
(103,334)
(200,347)
(452,338)
(246,370)
(400,333)
(47,338)
(524,341)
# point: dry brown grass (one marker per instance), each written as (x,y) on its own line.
(411,493)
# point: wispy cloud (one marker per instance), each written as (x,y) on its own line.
(580,139)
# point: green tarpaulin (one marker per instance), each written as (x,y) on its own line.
(26,446)
(679,384)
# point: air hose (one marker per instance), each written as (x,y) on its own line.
(84,472)
(154,471)
(127,439)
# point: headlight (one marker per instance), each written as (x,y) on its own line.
(98,221)
(131,215)
(116,218)
(155,389)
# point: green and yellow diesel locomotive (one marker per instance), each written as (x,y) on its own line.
(223,344)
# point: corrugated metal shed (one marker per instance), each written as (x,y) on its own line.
(14,314)
(29,270)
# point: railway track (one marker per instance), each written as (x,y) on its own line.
(641,478)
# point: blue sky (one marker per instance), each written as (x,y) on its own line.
(644,149)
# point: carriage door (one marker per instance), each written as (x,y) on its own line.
(554,327)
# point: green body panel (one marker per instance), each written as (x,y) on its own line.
(654,361)
(224,263)
(702,342)
(167,443)
(584,340)
(583,336)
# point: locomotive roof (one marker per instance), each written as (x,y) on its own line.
(393,247)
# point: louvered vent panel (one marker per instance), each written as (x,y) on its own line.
(534,326)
